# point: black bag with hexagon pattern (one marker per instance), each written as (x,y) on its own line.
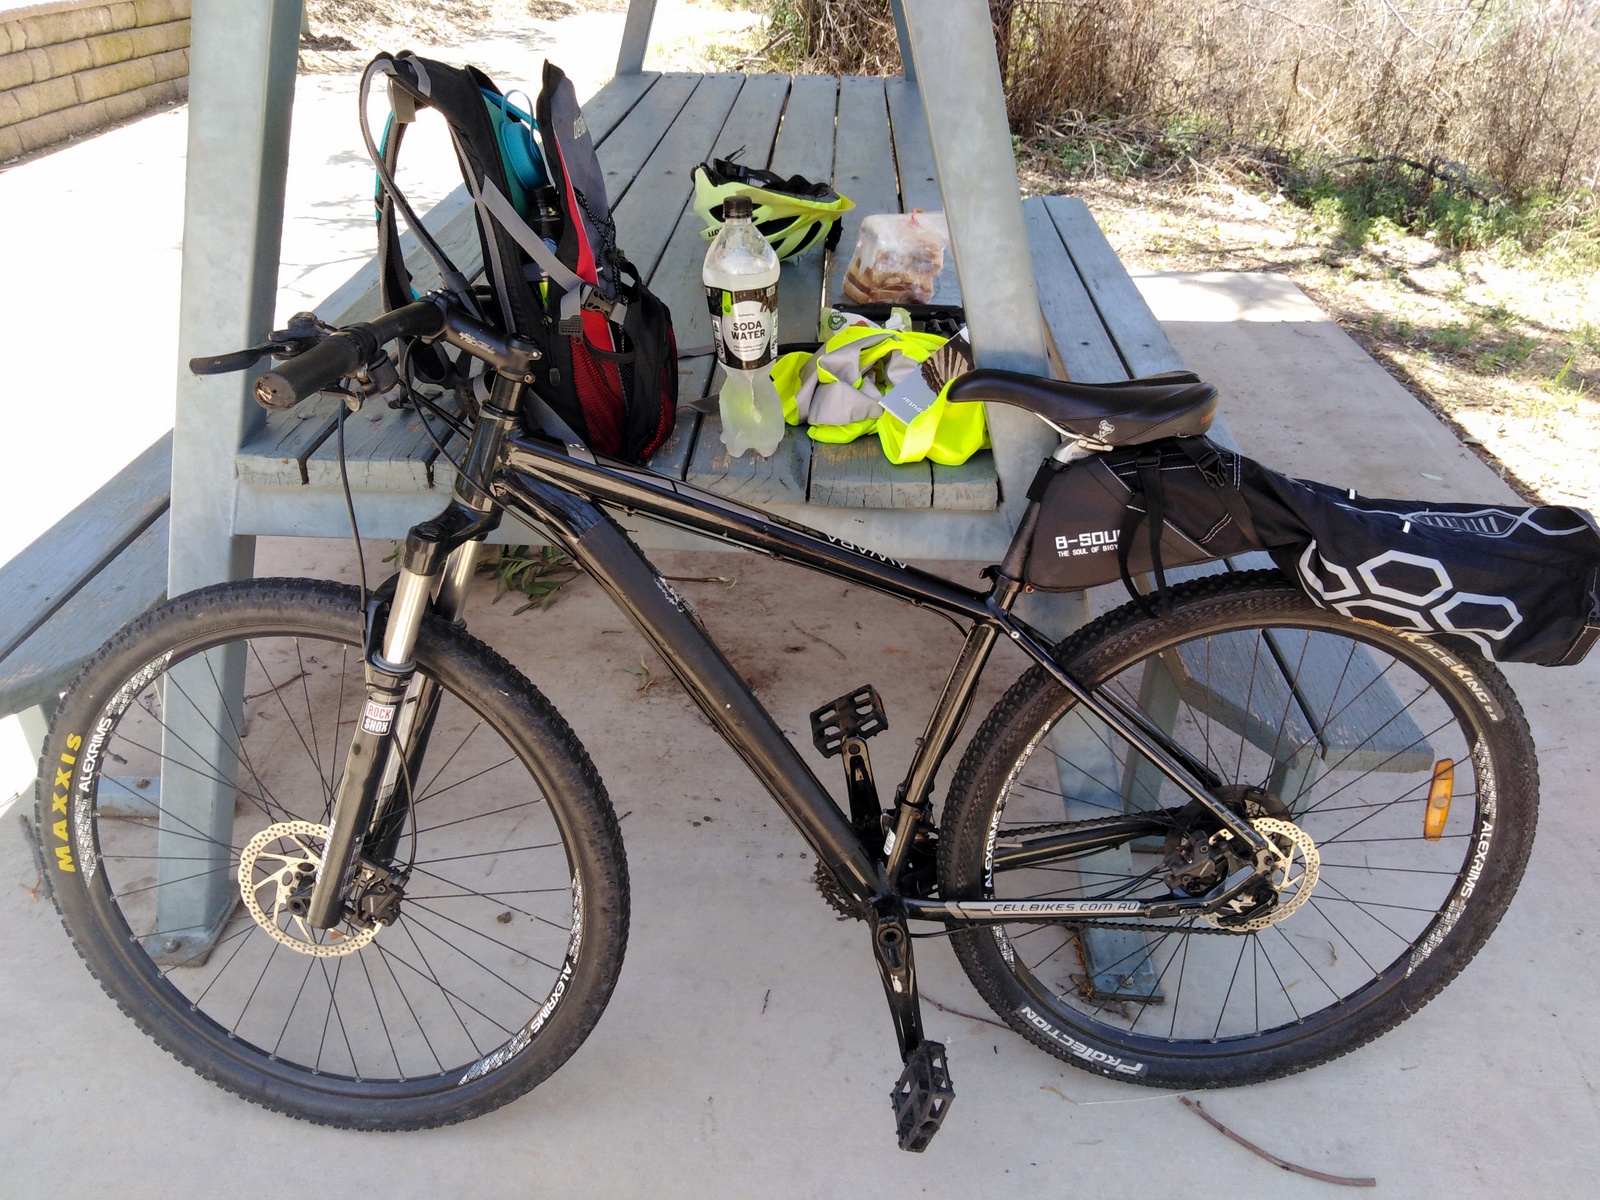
(1516,584)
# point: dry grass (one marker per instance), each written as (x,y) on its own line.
(1508,86)
(836,37)
(1505,348)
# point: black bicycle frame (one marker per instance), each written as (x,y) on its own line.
(563,492)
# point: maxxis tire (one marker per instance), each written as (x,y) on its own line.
(486,684)
(1497,853)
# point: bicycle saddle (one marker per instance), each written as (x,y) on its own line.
(1124,413)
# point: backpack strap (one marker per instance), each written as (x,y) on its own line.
(577,295)
(408,80)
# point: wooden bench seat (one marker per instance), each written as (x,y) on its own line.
(95,569)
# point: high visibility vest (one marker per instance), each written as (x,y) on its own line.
(837,390)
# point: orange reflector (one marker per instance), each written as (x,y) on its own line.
(1440,792)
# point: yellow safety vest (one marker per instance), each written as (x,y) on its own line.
(944,432)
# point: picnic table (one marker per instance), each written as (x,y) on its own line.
(867,134)
(182,513)
(1042,289)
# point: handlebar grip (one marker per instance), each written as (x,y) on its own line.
(309,372)
(343,354)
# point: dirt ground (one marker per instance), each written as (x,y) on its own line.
(1505,350)
(346,33)
(686,35)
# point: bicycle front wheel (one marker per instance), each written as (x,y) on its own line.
(1396,779)
(184,825)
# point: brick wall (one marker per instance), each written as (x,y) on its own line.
(71,68)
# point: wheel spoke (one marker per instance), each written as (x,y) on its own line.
(1305,717)
(474,954)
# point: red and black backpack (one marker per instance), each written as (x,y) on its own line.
(554,273)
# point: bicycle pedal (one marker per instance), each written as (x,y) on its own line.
(922,1097)
(860,714)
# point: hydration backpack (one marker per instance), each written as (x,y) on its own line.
(555,276)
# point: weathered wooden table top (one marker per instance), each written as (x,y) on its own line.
(866,134)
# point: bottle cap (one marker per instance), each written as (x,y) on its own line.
(736,206)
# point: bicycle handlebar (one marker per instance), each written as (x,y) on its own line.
(344,353)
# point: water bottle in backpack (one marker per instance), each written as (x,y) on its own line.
(741,281)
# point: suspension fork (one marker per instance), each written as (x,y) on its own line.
(375,791)
(389,673)
(413,724)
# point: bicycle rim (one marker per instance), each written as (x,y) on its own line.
(460,981)
(1340,730)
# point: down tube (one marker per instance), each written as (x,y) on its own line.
(609,555)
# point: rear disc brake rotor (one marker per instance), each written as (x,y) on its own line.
(1292,876)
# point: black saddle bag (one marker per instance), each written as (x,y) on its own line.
(1175,502)
(1515,584)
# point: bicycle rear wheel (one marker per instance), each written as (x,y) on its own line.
(1327,732)
(508,937)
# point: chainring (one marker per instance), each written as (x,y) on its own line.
(292,871)
(841,903)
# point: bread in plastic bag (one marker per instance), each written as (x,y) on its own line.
(898,259)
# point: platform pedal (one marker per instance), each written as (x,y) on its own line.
(859,715)
(922,1097)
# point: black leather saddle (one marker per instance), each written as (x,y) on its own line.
(1124,413)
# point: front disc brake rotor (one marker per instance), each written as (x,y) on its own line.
(1292,876)
(270,880)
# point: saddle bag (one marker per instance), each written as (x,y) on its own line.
(1515,584)
(1136,510)
(608,375)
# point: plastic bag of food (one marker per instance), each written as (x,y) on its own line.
(897,260)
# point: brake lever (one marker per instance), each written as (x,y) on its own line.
(223,364)
(304,331)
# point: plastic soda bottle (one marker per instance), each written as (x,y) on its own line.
(741,281)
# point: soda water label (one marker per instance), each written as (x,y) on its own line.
(744,326)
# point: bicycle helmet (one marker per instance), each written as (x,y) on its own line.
(791,214)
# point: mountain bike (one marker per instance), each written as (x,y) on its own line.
(341,858)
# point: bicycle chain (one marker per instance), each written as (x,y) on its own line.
(1058,826)
(1147,927)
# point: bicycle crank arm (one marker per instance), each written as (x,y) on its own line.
(922,1095)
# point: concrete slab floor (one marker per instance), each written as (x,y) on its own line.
(747,1049)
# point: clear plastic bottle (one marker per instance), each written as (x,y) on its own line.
(741,281)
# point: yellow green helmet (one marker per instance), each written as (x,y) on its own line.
(791,214)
